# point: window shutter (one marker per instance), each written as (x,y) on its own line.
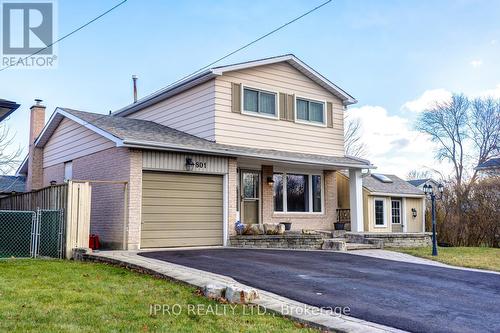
(283,106)
(329,114)
(236,97)
(290,107)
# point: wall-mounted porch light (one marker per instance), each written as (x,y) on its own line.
(270,181)
(414,212)
(189,164)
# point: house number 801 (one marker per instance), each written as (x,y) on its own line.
(202,165)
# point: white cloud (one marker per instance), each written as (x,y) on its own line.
(393,145)
(428,99)
(493,42)
(476,63)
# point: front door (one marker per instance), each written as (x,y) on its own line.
(250,196)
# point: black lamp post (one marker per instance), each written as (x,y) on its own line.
(429,192)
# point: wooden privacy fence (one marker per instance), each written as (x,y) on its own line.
(52,197)
(73,199)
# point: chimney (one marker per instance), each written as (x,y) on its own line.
(134,82)
(34,179)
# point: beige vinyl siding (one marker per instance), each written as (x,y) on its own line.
(259,132)
(414,224)
(181,210)
(72,140)
(191,111)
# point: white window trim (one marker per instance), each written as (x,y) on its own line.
(375,213)
(309,174)
(306,122)
(400,211)
(258,114)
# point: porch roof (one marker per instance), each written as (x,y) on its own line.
(136,133)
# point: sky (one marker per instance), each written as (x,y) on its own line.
(394,56)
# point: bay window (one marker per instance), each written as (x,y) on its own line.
(259,102)
(298,193)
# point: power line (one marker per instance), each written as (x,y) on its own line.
(254,41)
(71,33)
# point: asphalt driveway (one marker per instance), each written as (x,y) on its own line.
(412,297)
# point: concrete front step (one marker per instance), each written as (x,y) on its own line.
(361,246)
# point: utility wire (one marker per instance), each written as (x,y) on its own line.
(253,42)
(71,33)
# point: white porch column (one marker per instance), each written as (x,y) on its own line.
(356,200)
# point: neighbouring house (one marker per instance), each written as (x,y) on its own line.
(390,204)
(256,142)
(490,167)
(419,183)
(6,108)
(11,185)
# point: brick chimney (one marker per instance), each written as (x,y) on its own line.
(34,179)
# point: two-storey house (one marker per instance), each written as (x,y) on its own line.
(256,142)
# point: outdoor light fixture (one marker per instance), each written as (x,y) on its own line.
(189,164)
(429,192)
(270,181)
(414,212)
(53,183)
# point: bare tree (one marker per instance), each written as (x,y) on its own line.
(447,125)
(418,174)
(354,146)
(467,133)
(9,157)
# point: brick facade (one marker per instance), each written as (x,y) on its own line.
(134,199)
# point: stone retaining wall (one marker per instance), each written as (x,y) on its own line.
(287,241)
(395,239)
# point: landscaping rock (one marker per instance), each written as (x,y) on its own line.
(253,229)
(214,291)
(238,295)
(334,245)
(274,229)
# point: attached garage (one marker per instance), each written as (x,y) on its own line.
(181,209)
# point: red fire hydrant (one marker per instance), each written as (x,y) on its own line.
(94,242)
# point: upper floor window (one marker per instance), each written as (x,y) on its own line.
(310,111)
(260,102)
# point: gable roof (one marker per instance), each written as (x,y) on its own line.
(144,134)
(209,74)
(9,184)
(418,182)
(492,163)
(396,186)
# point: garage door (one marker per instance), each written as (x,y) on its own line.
(181,210)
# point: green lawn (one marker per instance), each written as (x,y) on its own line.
(49,296)
(472,257)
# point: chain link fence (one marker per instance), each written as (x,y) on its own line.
(31,234)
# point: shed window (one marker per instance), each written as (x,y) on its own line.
(396,211)
(379,212)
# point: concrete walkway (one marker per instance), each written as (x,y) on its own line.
(298,311)
(403,257)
